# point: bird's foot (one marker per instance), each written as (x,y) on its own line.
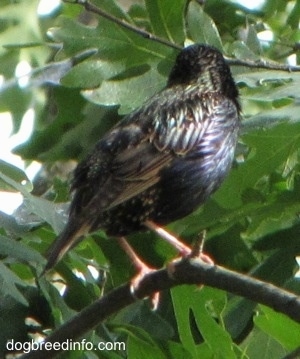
(195,252)
(142,270)
(184,252)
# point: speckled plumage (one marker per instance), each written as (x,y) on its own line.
(163,160)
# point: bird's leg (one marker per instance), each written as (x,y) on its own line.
(170,238)
(183,249)
(142,270)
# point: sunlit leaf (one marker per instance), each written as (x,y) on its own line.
(14,173)
(280,327)
(166,17)
(202,304)
(201,26)
(114,92)
(45,209)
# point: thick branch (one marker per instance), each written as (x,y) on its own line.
(187,271)
(261,64)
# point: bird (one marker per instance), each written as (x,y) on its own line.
(160,162)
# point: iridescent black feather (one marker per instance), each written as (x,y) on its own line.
(163,160)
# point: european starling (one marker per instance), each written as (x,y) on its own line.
(163,160)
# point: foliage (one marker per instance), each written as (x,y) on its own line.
(88,72)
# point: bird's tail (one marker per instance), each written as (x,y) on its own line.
(67,239)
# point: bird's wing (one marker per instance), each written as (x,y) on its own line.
(124,164)
(174,135)
(138,169)
(130,158)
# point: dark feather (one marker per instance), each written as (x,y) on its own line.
(163,160)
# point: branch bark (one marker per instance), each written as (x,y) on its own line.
(185,271)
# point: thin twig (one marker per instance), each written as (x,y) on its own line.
(186,271)
(147,35)
(260,64)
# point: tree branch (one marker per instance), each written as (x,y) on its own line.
(260,64)
(185,271)
(147,35)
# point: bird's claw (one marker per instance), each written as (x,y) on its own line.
(196,252)
(135,282)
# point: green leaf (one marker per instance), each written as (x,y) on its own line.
(17,17)
(123,67)
(278,269)
(17,250)
(284,85)
(53,72)
(241,51)
(14,173)
(293,18)
(204,304)
(138,348)
(88,74)
(271,118)
(10,224)
(12,322)
(201,27)
(166,17)
(270,148)
(19,26)
(181,302)
(176,350)
(62,115)
(278,239)
(47,210)
(113,8)
(238,316)
(117,43)
(140,344)
(9,92)
(115,91)
(60,310)
(276,215)
(9,283)
(279,327)
(259,77)
(252,40)
(210,305)
(260,345)
(143,317)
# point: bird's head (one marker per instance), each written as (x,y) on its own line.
(204,66)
